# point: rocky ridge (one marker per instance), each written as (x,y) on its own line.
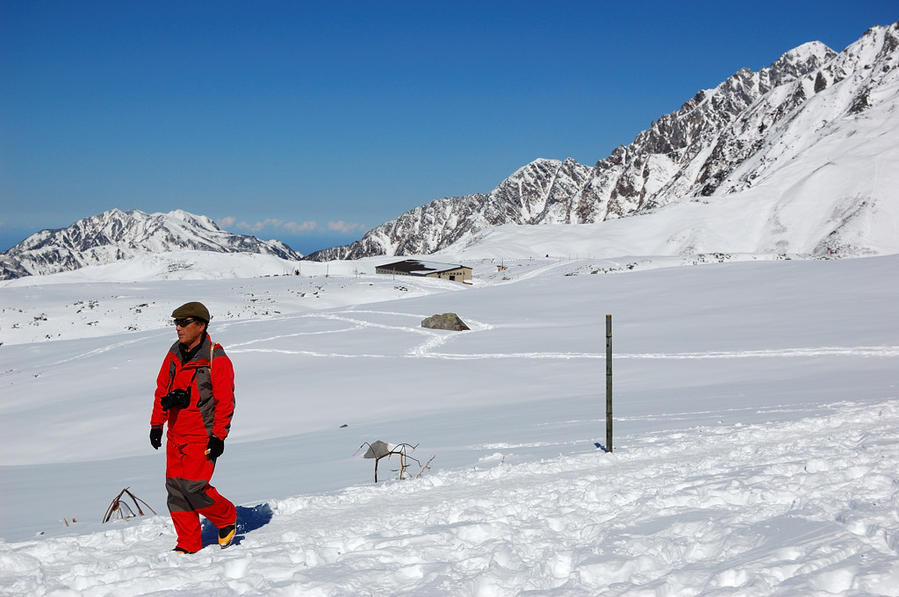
(722,141)
(117,234)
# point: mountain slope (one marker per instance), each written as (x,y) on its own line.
(116,234)
(837,197)
(726,140)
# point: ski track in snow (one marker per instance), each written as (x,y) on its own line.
(99,351)
(801,507)
(435,339)
(866,351)
(534,273)
(821,351)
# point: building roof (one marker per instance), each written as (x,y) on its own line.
(421,268)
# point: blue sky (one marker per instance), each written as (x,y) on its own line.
(313,122)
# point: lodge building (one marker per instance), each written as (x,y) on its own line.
(429,269)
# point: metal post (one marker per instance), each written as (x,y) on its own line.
(608,383)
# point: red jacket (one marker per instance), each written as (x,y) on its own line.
(211,394)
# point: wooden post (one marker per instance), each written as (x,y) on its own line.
(608,383)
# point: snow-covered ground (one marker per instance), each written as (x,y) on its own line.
(756,430)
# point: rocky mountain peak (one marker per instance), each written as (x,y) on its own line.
(798,62)
(117,234)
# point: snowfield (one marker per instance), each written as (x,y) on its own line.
(756,430)
(804,506)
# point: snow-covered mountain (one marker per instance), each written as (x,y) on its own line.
(754,130)
(116,234)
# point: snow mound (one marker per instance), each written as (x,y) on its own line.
(730,509)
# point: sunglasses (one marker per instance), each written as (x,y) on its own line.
(183,322)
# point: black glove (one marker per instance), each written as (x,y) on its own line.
(215,447)
(156,437)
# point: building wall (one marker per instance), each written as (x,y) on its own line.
(458,275)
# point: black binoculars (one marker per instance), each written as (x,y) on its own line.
(177,398)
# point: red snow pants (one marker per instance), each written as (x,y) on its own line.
(187,475)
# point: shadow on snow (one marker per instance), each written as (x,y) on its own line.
(248,519)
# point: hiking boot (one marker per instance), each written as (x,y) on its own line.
(226,535)
(181,550)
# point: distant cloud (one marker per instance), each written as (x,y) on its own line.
(345,227)
(275,224)
(268,224)
(300,227)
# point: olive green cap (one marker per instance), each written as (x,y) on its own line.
(194,309)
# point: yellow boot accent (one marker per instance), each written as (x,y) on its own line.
(226,535)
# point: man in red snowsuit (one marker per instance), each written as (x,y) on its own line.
(195,395)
